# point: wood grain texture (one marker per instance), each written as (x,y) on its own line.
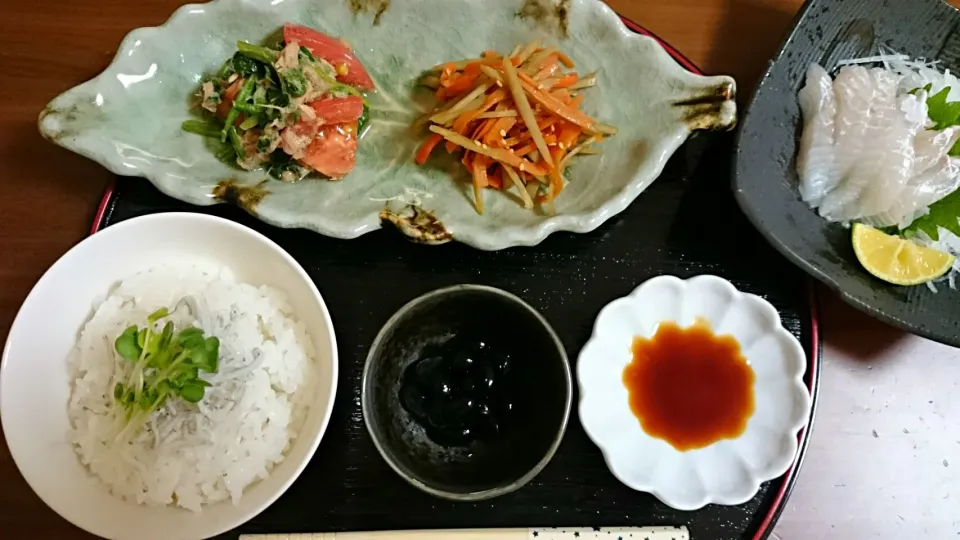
(49,196)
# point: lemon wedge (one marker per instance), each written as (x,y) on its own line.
(896,260)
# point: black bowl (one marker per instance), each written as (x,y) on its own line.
(441,321)
(765,178)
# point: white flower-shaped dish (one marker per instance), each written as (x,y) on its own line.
(728,471)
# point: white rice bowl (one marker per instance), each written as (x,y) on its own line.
(58,360)
(187,454)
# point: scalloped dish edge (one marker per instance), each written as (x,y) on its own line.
(798,388)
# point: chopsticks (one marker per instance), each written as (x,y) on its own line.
(540,533)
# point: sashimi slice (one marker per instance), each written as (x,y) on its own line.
(936,175)
(816,161)
(867,152)
(874,141)
(854,92)
(893,157)
(930,146)
(923,190)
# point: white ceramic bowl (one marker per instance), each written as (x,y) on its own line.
(35,386)
(728,471)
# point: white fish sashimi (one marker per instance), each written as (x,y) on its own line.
(865,154)
(931,146)
(920,192)
(816,160)
(937,175)
(874,143)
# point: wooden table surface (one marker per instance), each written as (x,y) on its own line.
(884,460)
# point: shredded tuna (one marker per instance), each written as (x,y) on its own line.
(209,98)
(295,144)
(289,57)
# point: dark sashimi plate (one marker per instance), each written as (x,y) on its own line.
(765,179)
(674,227)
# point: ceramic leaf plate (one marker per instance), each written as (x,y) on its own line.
(128,118)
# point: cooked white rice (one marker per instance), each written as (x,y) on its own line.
(187,454)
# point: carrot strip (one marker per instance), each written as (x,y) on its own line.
(485,128)
(547,122)
(427,147)
(492,135)
(576,101)
(475,134)
(550,60)
(488,53)
(472,69)
(462,123)
(460,84)
(494,180)
(547,71)
(496,153)
(562,110)
(562,95)
(565,60)
(514,141)
(527,79)
(524,150)
(566,81)
(569,133)
(494,98)
(461,64)
(506,125)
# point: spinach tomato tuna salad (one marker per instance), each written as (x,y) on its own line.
(294,109)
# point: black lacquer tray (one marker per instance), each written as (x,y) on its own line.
(686,223)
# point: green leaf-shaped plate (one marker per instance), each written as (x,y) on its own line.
(128,118)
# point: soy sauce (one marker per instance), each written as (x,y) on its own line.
(460,391)
(689,386)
